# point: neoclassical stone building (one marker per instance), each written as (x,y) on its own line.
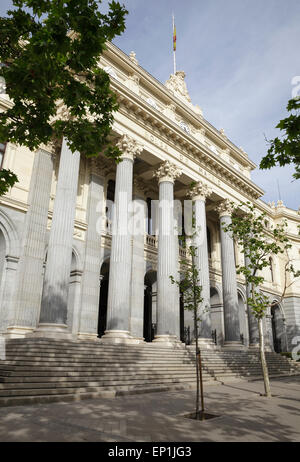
(73,266)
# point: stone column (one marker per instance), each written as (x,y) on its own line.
(198,194)
(138,261)
(88,326)
(230,296)
(252,321)
(53,316)
(118,305)
(29,280)
(268,332)
(167,293)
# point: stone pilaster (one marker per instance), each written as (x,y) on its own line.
(53,315)
(118,306)
(167,293)
(29,281)
(230,296)
(88,326)
(198,194)
(6,307)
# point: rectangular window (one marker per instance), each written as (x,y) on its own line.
(2,151)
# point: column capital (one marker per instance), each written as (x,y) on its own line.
(167,172)
(129,147)
(51,148)
(200,191)
(225,208)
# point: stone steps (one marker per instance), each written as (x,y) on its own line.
(56,370)
(83,378)
(42,370)
(110,393)
(31,388)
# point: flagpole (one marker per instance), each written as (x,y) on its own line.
(174,50)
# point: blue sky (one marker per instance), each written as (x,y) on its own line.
(239,57)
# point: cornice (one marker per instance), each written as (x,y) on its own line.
(274,213)
(14,203)
(150,81)
(134,107)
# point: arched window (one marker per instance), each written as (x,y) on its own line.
(2,152)
(110,197)
(149,223)
(111,185)
(208,242)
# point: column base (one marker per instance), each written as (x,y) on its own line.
(55,331)
(233,345)
(87,336)
(17,332)
(205,343)
(254,346)
(118,337)
(140,340)
(167,341)
(268,348)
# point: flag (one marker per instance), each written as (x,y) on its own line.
(174,37)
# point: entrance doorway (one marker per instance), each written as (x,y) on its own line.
(184,331)
(102,318)
(277,329)
(149,329)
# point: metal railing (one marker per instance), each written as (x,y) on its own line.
(214,336)
(187,335)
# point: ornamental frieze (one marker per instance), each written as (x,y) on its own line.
(198,156)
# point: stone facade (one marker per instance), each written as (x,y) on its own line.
(72,266)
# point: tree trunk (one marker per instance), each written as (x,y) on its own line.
(197,366)
(201,385)
(263,359)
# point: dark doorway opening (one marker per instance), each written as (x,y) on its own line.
(102,318)
(275,315)
(148,327)
(183,332)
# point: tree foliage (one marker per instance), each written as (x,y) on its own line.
(190,286)
(191,289)
(259,243)
(50,50)
(286,150)
(7,180)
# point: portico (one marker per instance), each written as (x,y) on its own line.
(128,252)
(123,256)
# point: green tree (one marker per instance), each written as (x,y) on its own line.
(258,244)
(49,52)
(191,289)
(286,150)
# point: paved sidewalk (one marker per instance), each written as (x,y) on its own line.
(243,416)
